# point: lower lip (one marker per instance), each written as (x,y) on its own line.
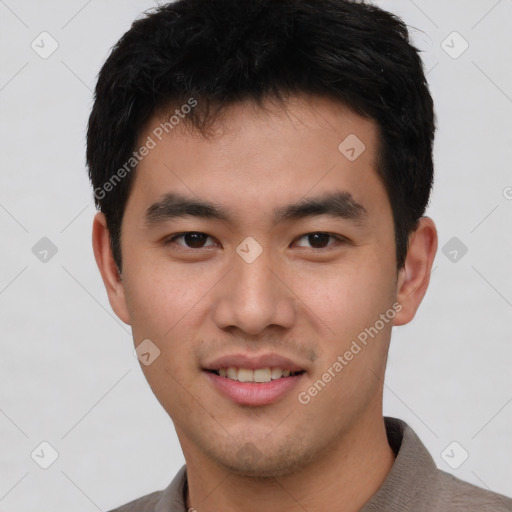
(253,393)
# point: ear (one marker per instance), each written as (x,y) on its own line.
(112,279)
(414,277)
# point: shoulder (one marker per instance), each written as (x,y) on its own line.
(456,494)
(144,504)
(170,499)
(416,484)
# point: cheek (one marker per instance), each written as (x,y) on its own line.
(163,303)
(160,297)
(346,298)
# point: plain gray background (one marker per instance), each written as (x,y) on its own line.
(67,369)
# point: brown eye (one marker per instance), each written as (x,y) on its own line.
(319,240)
(192,239)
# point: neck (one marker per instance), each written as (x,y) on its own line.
(349,473)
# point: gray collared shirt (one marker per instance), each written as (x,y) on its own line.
(414,484)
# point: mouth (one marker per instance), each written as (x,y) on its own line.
(254,380)
(253,386)
(258,375)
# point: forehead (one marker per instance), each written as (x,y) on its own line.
(256,160)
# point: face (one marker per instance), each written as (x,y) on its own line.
(289,264)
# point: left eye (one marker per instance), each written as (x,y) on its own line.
(320,239)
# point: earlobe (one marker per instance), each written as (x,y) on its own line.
(414,277)
(110,275)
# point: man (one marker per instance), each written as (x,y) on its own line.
(262,169)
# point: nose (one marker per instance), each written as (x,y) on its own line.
(253,296)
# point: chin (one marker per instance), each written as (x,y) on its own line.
(249,461)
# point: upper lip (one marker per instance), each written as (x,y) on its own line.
(254,362)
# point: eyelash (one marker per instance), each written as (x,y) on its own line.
(339,239)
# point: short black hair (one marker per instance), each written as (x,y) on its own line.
(218,52)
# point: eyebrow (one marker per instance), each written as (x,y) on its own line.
(339,204)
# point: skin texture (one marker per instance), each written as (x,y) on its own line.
(302,302)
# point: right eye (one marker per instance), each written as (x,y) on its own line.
(192,239)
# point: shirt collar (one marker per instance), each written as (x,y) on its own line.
(410,474)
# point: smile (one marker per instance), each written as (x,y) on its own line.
(259,375)
(258,387)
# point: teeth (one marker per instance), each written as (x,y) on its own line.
(262,375)
(258,375)
(245,375)
(277,373)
